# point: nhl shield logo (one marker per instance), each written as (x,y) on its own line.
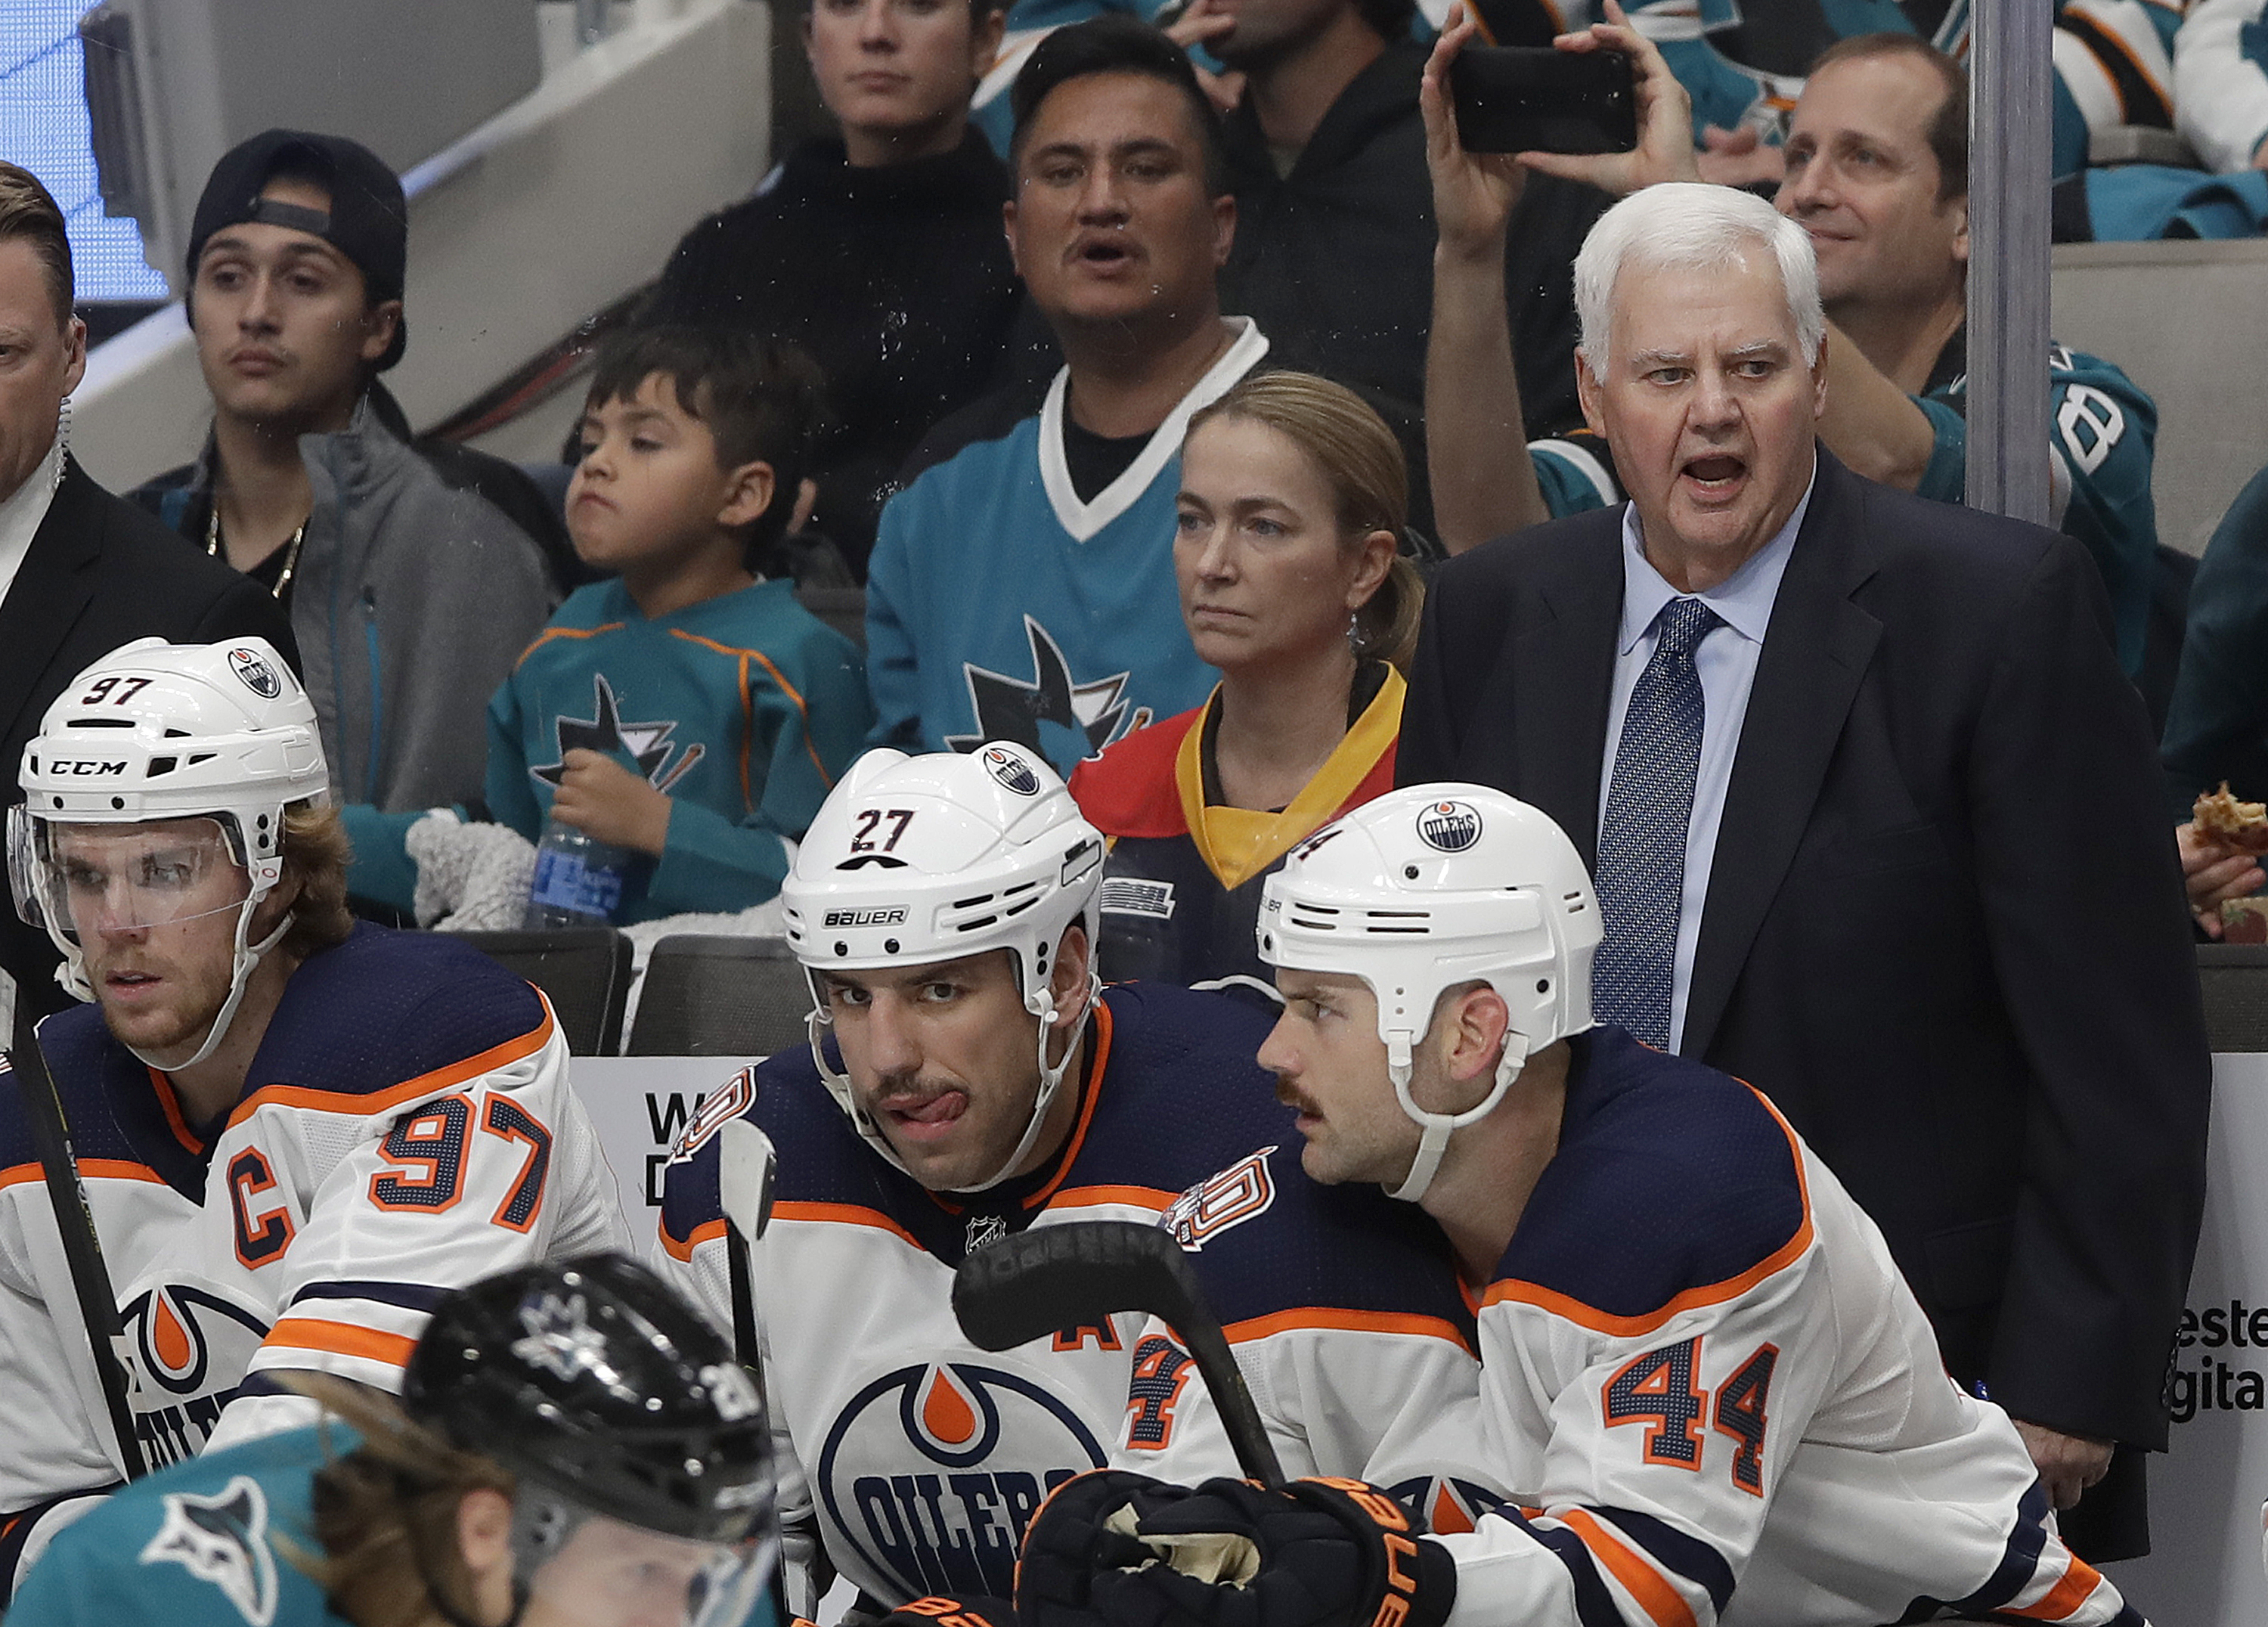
(254,674)
(1449,827)
(1011,771)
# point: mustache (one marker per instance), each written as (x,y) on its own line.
(1291,1096)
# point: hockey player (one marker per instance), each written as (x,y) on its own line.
(574,1448)
(295,1132)
(965,1078)
(1702,1383)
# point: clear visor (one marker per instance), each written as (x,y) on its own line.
(609,1574)
(90,880)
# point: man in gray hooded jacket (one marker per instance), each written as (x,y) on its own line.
(414,572)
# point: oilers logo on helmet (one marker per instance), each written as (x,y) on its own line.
(1450,826)
(221,1540)
(1011,771)
(254,674)
(1000,1443)
(181,1338)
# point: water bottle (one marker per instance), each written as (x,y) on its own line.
(578,879)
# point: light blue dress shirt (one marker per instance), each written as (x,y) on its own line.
(1725,660)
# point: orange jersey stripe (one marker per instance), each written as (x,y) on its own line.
(708,1231)
(841,1214)
(2077,1586)
(93,1168)
(1152,1198)
(305,1333)
(549,633)
(1354,1322)
(1656,1597)
(435,1083)
(1707,1293)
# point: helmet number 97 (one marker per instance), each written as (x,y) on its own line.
(103,687)
(870,819)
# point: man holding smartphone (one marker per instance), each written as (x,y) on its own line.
(1877,173)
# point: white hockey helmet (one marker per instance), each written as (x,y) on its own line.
(155,730)
(914,860)
(1427,889)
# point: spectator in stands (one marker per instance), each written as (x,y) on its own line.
(686,709)
(81,571)
(1293,500)
(2217,729)
(1878,175)
(1877,825)
(1022,588)
(411,570)
(2221,83)
(878,252)
(1334,253)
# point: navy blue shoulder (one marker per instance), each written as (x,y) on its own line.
(1275,1249)
(385,1007)
(90,1070)
(1182,1094)
(1671,1178)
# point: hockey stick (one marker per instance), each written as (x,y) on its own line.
(97,1303)
(746,1165)
(1050,1277)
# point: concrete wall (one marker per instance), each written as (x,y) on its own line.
(544,215)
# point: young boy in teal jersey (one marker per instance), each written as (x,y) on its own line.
(686,709)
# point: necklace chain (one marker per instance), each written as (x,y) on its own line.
(291,559)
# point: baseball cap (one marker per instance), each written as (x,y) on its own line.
(368,220)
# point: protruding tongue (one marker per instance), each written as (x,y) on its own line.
(938,1110)
(1713,468)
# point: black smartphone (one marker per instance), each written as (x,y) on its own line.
(1515,99)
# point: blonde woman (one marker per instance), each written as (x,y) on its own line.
(1291,513)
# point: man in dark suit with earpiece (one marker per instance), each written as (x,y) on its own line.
(81,571)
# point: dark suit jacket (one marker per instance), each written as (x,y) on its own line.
(1944,931)
(101,574)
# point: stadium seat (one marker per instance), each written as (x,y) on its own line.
(2234,977)
(720,997)
(585,972)
(842,608)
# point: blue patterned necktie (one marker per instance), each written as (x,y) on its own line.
(1641,877)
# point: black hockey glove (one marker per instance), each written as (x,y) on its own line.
(956,1610)
(1125,1550)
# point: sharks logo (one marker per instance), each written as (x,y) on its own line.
(645,744)
(560,1336)
(1009,709)
(221,1540)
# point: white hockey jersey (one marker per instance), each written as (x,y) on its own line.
(1702,1392)
(406,1127)
(917,1456)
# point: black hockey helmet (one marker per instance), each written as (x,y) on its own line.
(592,1378)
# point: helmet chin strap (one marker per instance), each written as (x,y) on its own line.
(1041,1005)
(246,958)
(1436,1128)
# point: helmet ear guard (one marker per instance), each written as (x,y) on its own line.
(918,860)
(1427,889)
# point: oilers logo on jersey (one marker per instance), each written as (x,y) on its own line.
(1450,1503)
(993,1443)
(189,1349)
(221,1540)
